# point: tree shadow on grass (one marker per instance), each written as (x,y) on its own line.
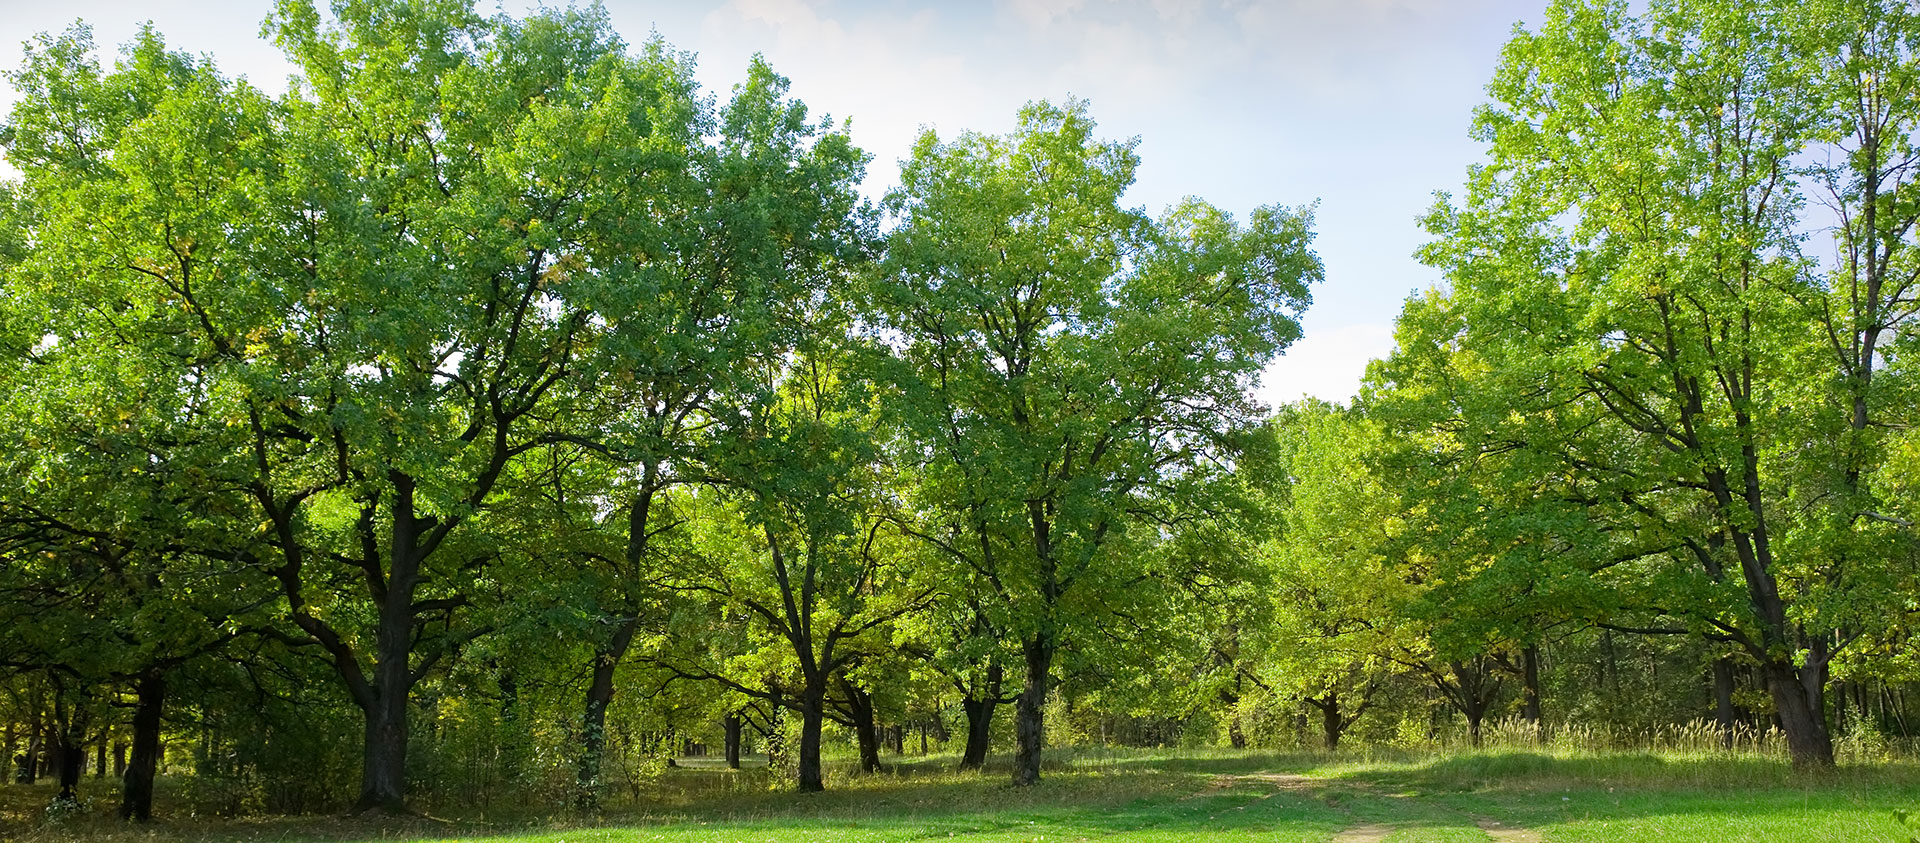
(1647,796)
(1175,797)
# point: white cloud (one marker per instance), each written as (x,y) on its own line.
(890,73)
(1042,13)
(1326,364)
(1178,11)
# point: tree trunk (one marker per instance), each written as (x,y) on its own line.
(1331,722)
(593,723)
(1530,686)
(593,731)
(383,764)
(136,791)
(1724,716)
(733,726)
(860,705)
(70,757)
(383,701)
(812,710)
(980,720)
(1796,694)
(72,760)
(1029,721)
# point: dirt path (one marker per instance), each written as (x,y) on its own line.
(1504,834)
(1370,832)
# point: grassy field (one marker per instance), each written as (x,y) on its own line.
(1143,796)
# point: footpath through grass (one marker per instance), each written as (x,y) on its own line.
(1142,796)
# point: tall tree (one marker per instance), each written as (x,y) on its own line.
(120,528)
(1633,253)
(381,277)
(1067,366)
(755,229)
(801,543)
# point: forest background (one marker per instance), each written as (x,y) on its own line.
(496,403)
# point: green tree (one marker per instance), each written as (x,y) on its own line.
(1066,367)
(383,276)
(1339,596)
(119,527)
(758,226)
(1630,262)
(801,543)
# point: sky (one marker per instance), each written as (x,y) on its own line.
(1360,106)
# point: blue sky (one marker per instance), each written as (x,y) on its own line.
(1362,105)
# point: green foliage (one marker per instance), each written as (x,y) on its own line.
(501,402)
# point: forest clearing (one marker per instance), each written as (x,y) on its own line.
(504,431)
(1501,795)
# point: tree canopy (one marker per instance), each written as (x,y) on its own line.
(498,401)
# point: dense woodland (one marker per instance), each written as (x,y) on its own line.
(496,415)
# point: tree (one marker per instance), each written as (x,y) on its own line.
(381,275)
(1633,253)
(800,542)
(749,233)
(119,531)
(1066,367)
(1339,596)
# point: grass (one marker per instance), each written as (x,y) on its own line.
(1128,796)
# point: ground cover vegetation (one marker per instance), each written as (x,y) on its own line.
(495,417)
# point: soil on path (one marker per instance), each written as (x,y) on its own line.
(1372,832)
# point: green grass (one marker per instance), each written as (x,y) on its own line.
(1124,797)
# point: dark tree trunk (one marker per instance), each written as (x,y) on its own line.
(733,726)
(383,764)
(1724,715)
(812,711)
(1331,722)
(383,703)
(1474,687)
(593,723)
(119,760)
(70,759)
(980,720)
(860,706)
(136,792)
(67,755)
(100,759)
(1029,722)
(1796,694)
(1530,686)
(898,734)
